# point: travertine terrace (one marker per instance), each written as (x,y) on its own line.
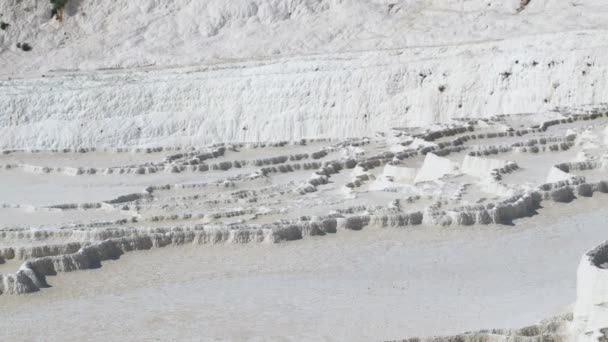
(475,172)
(138,129)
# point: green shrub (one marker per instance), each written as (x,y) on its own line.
(58,4)
(57,10)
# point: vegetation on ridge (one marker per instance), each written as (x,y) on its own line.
(58,6)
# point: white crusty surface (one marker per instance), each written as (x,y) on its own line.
(269,70)
(303,170)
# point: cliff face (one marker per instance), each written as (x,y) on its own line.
(591,310)
(97,34)
(324,96)
(278,70)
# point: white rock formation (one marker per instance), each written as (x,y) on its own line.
(590,322)
(434,168)
(557,175)
(269,121)
(400,173)
(481,167)
(318,76)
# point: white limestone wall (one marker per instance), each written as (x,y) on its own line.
(112,74)
(557,175)
(289,99)
(399,173)
(123,34)
(481,167)
(434,168)
(591,310)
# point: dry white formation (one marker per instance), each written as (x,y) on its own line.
(295,119)
(488,172)
(247,87)
(591,311)
(278,192)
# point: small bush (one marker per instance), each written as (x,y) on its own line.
(57,10)
(442,88)
(58,4)
(3,25)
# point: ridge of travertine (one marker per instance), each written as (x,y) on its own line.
(142,99)
(333,86)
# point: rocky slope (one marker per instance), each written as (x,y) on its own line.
(278,70)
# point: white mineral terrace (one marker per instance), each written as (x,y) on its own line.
(484,201)
(304,170)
